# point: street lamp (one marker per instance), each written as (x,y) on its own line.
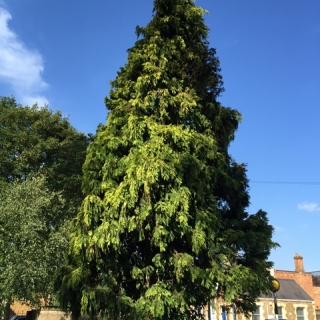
(275,286)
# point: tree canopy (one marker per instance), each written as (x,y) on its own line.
(32,243)
(164,225)
(34,140)
(41,158)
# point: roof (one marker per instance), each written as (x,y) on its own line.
(290,290)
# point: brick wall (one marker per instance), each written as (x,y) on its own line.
(316,296)
(289,308)
(18,308)
(304,279)
(53,315)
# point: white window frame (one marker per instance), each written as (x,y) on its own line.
(212,311)
(233,313)
(256,315)
(300,316)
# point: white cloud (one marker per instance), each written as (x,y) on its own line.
(309,206)
(20,67)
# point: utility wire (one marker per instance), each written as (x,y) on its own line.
(287,182)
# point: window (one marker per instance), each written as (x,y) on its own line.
(223,314)
(234,313)
(256,314)
(211,311)
(280,314)
(300,313)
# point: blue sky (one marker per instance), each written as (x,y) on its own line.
(64,53)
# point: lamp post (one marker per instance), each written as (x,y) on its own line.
(275,286)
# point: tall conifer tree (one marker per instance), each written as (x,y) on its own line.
(164,228)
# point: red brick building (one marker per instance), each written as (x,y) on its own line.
(298,298)
(294,303)
(309,281)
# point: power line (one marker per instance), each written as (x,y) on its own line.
(287,182)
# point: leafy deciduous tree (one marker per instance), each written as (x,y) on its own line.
(34,140)
(164,228)
(32,244)
(34,219)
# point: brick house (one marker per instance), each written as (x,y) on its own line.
(309,281)
(294,303)
(298,298)
(17,308)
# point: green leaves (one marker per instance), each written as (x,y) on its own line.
(32,244)
(41,157)
(34,140)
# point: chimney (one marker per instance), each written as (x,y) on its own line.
(298,263)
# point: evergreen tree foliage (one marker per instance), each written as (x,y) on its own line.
(163,227)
